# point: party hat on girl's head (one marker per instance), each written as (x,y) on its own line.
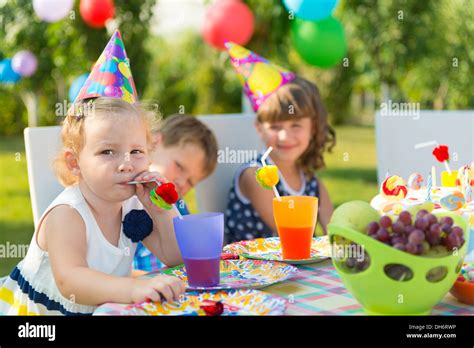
(111,75)
(259,77)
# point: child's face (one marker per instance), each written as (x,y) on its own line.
(115,151)
(181,164)
(289,139)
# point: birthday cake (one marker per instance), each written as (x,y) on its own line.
(395,196)
(455,193)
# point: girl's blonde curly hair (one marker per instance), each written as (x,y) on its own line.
(73,135)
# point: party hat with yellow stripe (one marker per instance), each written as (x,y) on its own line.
(259,77)
(111,75)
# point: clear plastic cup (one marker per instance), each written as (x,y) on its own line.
(200,238)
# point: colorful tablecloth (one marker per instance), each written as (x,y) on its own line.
(317,289)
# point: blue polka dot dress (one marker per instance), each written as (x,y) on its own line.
(242,222)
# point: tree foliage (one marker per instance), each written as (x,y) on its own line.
(65,50)
(405,50)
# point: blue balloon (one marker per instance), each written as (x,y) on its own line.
(7,74)
(311,10)
(76,87)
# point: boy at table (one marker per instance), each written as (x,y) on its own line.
(185,153)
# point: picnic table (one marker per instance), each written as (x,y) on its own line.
(317,289)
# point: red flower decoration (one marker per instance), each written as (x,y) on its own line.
(441,153)
(167,192)
(212,308)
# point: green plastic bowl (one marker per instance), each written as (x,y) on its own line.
(381,295)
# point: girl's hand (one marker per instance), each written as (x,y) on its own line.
(143,191)
(157,288)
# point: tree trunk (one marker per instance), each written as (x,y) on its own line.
(385,93)
(438,103)
(60,85)
(30,99)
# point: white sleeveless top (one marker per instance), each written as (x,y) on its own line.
(31,289)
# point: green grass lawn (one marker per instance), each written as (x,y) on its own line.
(351,169)
(350,174)
(16,217)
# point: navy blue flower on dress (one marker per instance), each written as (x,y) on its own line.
(137,225)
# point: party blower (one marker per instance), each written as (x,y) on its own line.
(164,195)
(295,216)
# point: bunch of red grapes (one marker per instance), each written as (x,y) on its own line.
(419,236)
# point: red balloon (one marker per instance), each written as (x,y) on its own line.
(229,20)
(96,12)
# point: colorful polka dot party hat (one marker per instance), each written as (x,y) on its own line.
(111,75)
(259,77)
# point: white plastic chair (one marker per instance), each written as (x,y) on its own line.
(41,145)
(236,136)
(396,137)
(234,132)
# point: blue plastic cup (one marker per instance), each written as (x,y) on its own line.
(200,238)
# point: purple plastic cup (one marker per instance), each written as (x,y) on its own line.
(200,238)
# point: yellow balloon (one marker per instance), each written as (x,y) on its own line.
(264,79)
(238,52)
(124,69)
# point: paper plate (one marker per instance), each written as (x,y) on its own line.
(236,302)
(239,274)
(269,249)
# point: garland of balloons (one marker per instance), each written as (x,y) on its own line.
(95,14)
(317,36)
(23,64)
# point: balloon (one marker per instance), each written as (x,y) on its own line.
(229,20)
(7,75)
(24,63)
(321,43)
(96,12)
(311,10)
(52,10)
(76,87)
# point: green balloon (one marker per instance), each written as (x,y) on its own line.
(320,43)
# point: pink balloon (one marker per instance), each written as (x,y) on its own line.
(24,63)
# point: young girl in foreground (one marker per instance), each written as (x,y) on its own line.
(81,254)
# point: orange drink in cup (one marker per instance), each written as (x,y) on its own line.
(295,218)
